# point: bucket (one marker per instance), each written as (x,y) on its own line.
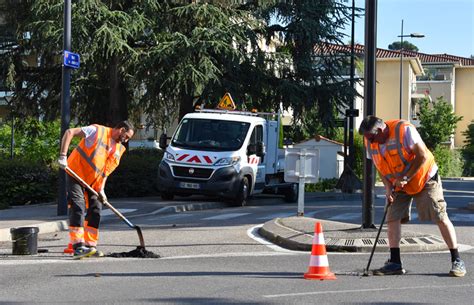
(24,240)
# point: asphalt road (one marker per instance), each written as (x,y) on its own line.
(214,257)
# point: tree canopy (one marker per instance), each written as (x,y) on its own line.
(438,122)
(160,58)
(406,46)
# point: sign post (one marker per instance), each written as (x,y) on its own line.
(301,166)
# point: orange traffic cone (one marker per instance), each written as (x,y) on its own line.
(318,263)
(69,249)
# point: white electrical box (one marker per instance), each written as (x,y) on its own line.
(302,163)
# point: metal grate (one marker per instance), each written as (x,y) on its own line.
(426,240)
(192,172)
(349,242)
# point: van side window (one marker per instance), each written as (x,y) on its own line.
(257,135)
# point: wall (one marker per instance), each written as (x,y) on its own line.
(388,89)
(464,96)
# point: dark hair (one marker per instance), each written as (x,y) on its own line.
(125,124)
(370,123)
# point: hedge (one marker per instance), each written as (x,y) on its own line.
(30,182)
(26,182)
(137,174)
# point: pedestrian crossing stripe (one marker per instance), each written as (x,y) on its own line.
(225,216)
(345,216)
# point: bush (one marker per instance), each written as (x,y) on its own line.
(26,182)
(450,162)
(359,150)
(324,185)
(137,174)
(468,150)
(34,140)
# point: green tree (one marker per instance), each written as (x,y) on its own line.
(406,46)
(196,53)
(313,80)
(468,150)
(162,57)
(438,122)
(104,33)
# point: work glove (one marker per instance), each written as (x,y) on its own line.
(62,162)
(102,196)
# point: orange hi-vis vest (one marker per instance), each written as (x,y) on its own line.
(97,162)
(397,161)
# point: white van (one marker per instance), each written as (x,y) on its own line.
(224,153)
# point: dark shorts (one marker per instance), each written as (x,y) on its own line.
(430,203)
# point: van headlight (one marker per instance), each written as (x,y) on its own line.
(227,161)
(169,156)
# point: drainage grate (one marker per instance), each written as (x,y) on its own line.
(422,243)
(426,240)
(367,242)
(349,242)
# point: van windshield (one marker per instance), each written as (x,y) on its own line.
(210,135)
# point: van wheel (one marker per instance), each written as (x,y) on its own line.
(291,193)
(243,193)
(167,196)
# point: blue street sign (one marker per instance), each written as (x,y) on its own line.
(71,60)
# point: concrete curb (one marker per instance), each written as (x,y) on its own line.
(297,234)
(44,227)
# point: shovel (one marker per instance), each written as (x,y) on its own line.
(107,204)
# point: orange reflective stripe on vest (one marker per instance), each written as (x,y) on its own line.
(397,161)
(93,164)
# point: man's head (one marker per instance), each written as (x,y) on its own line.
(374,129)
(122,132)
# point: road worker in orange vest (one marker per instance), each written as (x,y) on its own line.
(409,172)
(94,159)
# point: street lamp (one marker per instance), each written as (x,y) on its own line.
(413,35)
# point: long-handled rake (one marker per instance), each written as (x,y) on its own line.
(106,203)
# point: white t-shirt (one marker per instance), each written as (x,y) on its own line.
(90,132)
(411,137)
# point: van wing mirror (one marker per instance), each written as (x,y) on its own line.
(251,149)
(163,141)
(256,149)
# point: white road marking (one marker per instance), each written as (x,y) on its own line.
(253,234)
(278,215)
(108,212)
(461,217)
(175,216)
(345,216)
(391,288)
(225,216)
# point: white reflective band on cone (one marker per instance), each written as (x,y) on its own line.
(319,261)
(318,239)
